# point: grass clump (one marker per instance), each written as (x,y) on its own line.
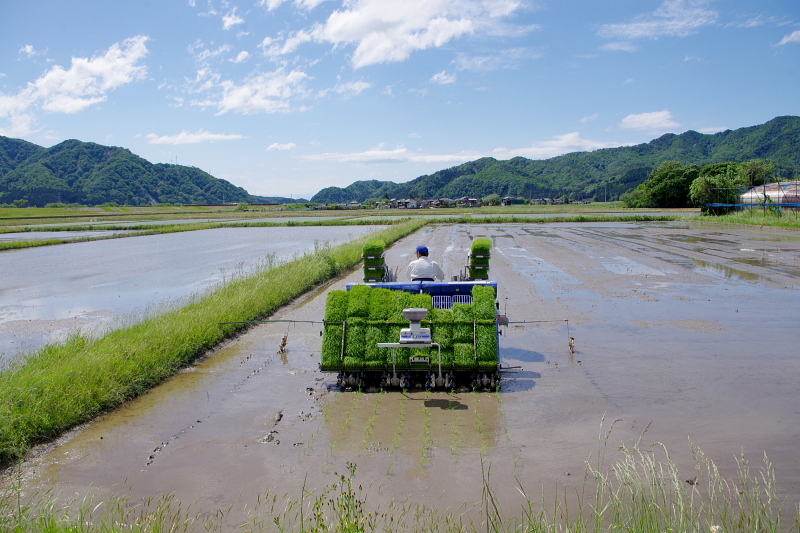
(67,383)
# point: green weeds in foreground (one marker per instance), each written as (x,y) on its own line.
(67,383)
(642,492)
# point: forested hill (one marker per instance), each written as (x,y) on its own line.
(610,171)
(91,174)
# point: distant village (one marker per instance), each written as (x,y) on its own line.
(465,201)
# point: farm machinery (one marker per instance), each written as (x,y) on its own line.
(383,334)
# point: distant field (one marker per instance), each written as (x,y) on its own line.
(42,215)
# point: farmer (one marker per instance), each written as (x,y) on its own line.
(423,269)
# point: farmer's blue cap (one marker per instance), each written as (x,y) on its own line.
(422,250)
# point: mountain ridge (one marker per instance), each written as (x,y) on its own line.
(599,174)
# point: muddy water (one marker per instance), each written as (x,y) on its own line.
(47,292)
(688,330)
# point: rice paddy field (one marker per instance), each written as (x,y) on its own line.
(684,353)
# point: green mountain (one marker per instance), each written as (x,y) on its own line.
(91,174)
(600,174)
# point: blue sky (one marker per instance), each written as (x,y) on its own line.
(286,97)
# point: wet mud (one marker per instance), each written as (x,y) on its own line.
(686,330)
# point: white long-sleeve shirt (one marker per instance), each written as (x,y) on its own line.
(424,268)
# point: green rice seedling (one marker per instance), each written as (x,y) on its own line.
(374,247)
(447,359)
(374,275)
(463,356)
(400,301)
(379,302)
(376,332)
(421,301)
(483,299)
(331,347)
(373,262)
(486,340)
(358,301)
(336,306)
(355,337)
(442,327)
(352,363)
(482,246)
(463,329)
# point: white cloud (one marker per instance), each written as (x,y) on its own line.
(657,121)
(590,118)
(204,54)
(617,46)
(559,145)
(263,93)
(793,37)
(184,137)
(28,51)
(443,78)
(231,19)
(273,48)
(241,57)
(385,31)
(414,135)
(674,18)
(352,88)
(304,4)
(507,59)
(281,147)
(86,83)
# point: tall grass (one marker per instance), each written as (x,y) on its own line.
(758,217)
(641,492)
(67,383)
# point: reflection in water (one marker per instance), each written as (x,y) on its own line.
(715,269)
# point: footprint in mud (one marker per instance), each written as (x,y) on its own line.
(160,447)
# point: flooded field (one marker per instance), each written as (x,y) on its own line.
(689,329)
(47,292)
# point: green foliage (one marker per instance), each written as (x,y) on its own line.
(463,356)
(358,301)
(667,186)
(722,183)
(599,175)
(242,206)
(374,274)
(420,301)
(492,199)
